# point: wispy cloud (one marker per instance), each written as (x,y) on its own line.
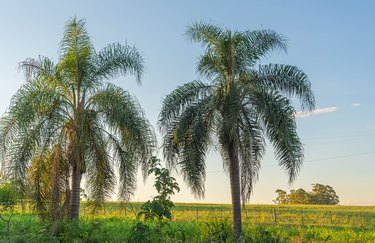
(356,104)
(302,114)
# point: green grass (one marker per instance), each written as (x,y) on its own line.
(299,215)
(207,223)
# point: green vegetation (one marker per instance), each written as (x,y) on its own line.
(157,211)
(67,121)
(212,223)
(8,200)
(242,104)
(321,194)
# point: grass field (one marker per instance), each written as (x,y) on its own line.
(208,223)
(309,215)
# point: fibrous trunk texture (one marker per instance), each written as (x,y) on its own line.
(234,172)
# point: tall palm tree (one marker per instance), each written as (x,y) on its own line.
(69,116)
(242,104)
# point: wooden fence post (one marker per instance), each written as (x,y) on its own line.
(274,216)
(330,213)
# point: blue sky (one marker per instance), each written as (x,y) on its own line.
(332,41)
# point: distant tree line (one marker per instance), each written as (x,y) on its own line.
(320,194)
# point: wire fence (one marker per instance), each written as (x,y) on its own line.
(343,216)
(285,217)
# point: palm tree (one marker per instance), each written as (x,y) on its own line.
(68,120)
(243,104)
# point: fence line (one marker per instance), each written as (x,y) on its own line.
(329,216)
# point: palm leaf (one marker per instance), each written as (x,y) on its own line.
(277,114)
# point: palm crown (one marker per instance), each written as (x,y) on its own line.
(243,103)
(69,116)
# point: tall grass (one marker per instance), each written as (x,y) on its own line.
(207,223)
(298,215)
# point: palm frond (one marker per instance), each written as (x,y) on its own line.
(39,180)
(251,150)
(277,114)
(75,37)
(205,33)
(124,116)
(127,168)
(75,62)
(190,140)
(180,99)
(36,105)
(19,156)
(210,67)
(260,43)
(117,59)
(22,147)
(286,79)
(42,67)
(98,162)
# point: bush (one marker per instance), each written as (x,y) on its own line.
(157,211)
(8,200)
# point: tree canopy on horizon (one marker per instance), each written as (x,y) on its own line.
(320,195)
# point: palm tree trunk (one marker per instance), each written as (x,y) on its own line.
(234,172)
(76,187)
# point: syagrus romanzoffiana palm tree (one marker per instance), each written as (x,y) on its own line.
(69,121)
(243,104)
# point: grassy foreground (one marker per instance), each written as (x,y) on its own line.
(206,223)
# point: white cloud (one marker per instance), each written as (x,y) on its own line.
(302,114)
(356,104)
